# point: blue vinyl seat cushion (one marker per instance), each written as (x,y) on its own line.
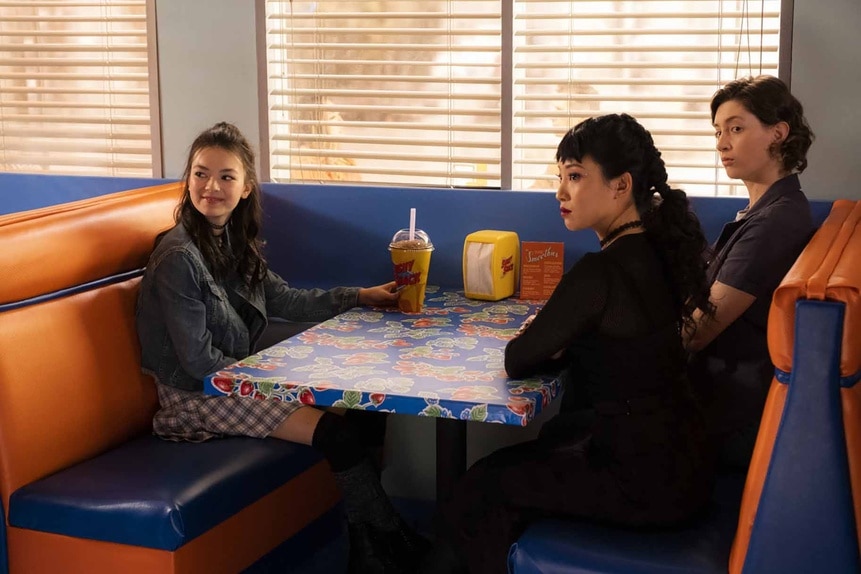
(574,547)
(158,494)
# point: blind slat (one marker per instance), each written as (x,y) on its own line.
(107,103)
(379,109)
(354,63)
(392,141)
(82,148)
(53,132)
(73,77)
(70,19)
(309,153)
(107,120)
(43,91)
(108,51)
(105,162)
(391,171)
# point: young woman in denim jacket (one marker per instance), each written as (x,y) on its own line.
(204,302)
(763,138)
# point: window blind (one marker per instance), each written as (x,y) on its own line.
(74,87)
(478,93)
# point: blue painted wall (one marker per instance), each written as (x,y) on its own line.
(24,191)
(308,226)
(327,235)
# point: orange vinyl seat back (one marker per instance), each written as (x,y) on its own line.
(802,498)
(70,379)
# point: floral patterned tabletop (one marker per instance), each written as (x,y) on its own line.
(446,361)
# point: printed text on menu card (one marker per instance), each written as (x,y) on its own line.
(541,268)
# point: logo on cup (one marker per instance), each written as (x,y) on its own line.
(404,274)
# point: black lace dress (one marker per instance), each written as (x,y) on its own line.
(627,446)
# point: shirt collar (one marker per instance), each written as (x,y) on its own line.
(777,190)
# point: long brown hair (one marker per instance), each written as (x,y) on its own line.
(245,251)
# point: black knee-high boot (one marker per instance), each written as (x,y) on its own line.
(380,541)
(371,429)
(371,426)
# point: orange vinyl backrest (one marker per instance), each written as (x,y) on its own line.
(53,248)
(807,278)
(70,379)
(829,268)
(845,285)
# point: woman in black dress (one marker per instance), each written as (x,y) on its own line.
(628,445)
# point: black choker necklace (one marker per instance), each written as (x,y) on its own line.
(615,233)
(212,225)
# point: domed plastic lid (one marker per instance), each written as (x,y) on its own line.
(402,240)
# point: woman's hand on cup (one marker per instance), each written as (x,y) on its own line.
(385,295)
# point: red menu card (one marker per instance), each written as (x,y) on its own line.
(541,268)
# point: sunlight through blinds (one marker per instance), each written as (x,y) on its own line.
(74,87)
(478,93)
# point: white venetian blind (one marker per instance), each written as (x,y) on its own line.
(478,93)
(74,87)
(400,92)
(660,61)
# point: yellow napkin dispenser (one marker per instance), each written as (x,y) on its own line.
(491,260)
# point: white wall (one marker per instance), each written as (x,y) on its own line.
(209,72)
(826,77)
(207,60)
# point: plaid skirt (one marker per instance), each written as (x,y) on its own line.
(195,417)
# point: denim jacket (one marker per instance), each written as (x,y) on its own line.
(187,326)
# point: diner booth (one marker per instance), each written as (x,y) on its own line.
(327,235)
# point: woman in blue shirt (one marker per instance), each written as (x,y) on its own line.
(763,138)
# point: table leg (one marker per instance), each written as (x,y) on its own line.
(450,454)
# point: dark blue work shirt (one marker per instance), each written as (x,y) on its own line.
(753,254)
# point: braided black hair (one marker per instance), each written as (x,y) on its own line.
(619,144)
